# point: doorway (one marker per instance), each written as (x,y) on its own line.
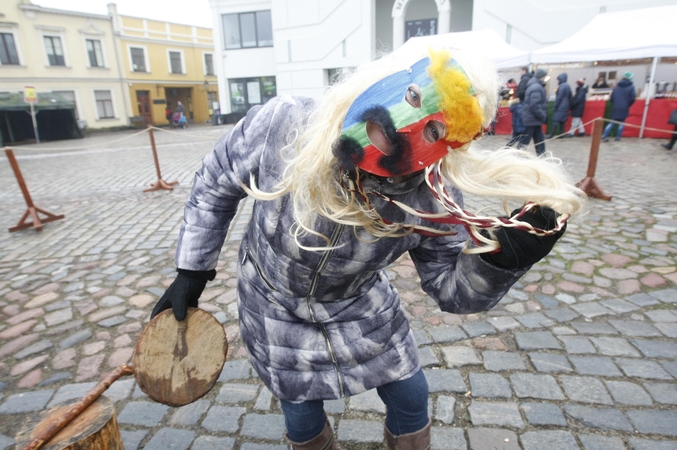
(143,102)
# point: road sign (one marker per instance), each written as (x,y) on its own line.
(30,96)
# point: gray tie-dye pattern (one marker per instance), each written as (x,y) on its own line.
(318,325)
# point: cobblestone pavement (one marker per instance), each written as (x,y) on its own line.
(580,354)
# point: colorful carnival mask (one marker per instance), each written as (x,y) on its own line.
(410,119)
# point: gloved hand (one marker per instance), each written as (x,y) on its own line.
(520,248)
(183,292)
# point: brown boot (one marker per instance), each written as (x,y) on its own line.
(324,441)
(418,440)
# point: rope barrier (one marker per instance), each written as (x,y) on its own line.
(625,124)
(183,134)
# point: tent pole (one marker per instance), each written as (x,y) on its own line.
(648,95)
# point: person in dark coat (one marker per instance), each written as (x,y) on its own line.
(535,112)
(524,80)
(577,110)
(622,98)
(562,106)
(516,108)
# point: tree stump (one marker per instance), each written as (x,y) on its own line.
(96,428)
(176,363)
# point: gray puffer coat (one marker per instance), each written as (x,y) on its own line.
(323,324)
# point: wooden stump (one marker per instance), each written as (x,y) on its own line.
(96,428)
(176,363)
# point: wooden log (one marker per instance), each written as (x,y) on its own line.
(176,363)
(95,428)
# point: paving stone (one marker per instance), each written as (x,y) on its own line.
(489,385)
(214,443)
(132,439)
(427,357)
(647,444)
(595,365)
(254,446)
(642,299)
(597,442)
(38,347)
(642,368)
(628,393)
(368,401)
(561,314)
(444,409)
(75,338)
(528,385)
(554,439)
(535,320)
(585,390)
(635,328)
(5,441)
(55,378)
(142,413)
(492,439)
(120,390)
(577,344)
(26,402)
(665,295)
(619,306)
(264,400)
(612,346)
(603,419)
(543,414)
(495,413)
(223,419)
(668,329)
(337,406)
(443,335)
(445,380)
(593,328)
(445,438)
(360,431)
(550,362)
(656,349)
(504,323)
(170,438)
(190,414)
(665,393)
(475,329)
(661,315)
(498,361)
(263,426)
(591,310)
(235,370)
(70,392)
(459,356)
(536,340)
(237,393)
(652,421)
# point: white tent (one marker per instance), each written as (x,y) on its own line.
(622,35)
(486,42)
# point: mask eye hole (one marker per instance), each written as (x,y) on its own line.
(434,131)
(413,96)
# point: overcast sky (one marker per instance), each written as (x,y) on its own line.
(189,12)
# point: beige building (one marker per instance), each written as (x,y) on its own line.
(166,63)
(66,52)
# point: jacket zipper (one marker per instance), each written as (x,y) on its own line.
(258,269)
(313,285)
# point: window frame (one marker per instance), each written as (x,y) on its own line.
(204,64)
(16,46)
(146,61)
(53,36)
(169,61)
(112,103)
(104,64)
(239,29)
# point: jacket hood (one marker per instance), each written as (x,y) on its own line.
(562,78)
(624,82)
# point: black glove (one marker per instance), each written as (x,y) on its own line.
(183,292)
(520,248)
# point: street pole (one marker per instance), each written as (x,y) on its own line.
(35,123)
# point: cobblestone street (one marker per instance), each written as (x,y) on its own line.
(581,354)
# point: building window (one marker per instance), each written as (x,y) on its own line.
(175,65)
(95,53)
(426,27)
(8,53)
(54,51)
(69,96)
(247,30)
(104,104)
(138,59)
(209,64)
(247,92)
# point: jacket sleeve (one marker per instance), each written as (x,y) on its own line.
(535,102)
(217,191)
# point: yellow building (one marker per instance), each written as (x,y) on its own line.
(164,64)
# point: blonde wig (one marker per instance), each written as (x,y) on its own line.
(313,177)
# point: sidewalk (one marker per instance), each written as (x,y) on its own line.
(581,354)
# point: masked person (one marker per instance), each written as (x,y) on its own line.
(344,187)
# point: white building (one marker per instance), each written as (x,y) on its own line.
(272,47)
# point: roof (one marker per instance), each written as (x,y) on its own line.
(637,33)
(14,101)
(486,42)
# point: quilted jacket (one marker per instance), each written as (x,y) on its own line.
(323,324)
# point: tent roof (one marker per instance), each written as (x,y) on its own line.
(487,42)
(637,33)
(14,101)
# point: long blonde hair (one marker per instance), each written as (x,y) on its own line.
(312,175)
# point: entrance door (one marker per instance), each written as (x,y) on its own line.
(143,101)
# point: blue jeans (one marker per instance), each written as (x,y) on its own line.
(535,133)
(406,405)
(607,130)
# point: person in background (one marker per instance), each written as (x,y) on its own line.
(518,128)
(511,87)
(562,106)
(525,76)
(180,108)
(622,98)
(168,114)
(535,112)
(577,110)
(672,121)
(600,83)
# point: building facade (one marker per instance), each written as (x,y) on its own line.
(65,52)
(166,63)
